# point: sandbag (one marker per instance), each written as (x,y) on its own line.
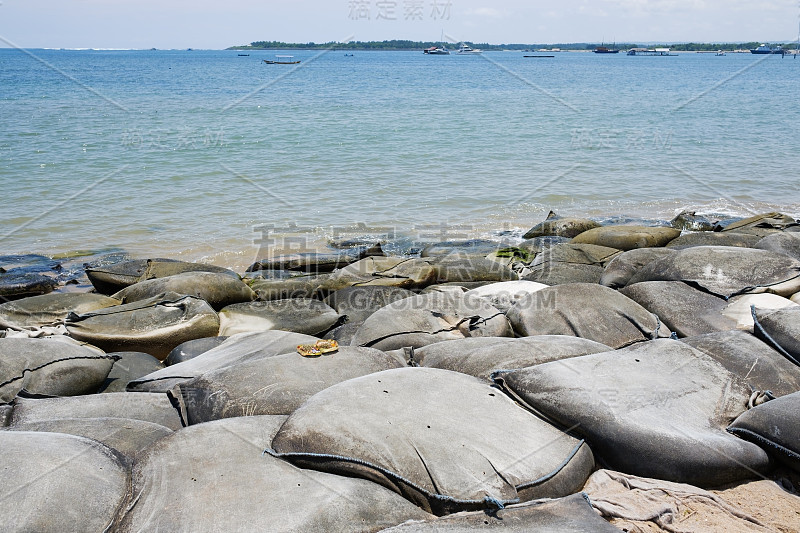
(428,318)
(357,303)
(682,309)
(273,384)
(113,278)
(766,221)
(129,366)
(576,253)
(622,268)
(504,294)
(472,248)
(780,329)
(219,290)
(301,315)
(785,243)
(657,409)
(317,262)
(750,359)
(316,286)
(726,271)
(193,348)
(154,326)
(15,285)
(153,408)
(236,349)
(484,360)
(572,514)
(125,435)
(56,482)
(628,237)
(451,269)
(739,308)
(55,366)
(713,238)
(49,309)
(775,426)
(560,226)
(557,273)
(446,441)
(408,273)
(585,310)
(214,477)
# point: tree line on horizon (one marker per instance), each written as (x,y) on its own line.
(392,45)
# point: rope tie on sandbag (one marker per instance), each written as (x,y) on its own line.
(759,398)
(492,503)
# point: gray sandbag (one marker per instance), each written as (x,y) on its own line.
(236,349)
(129,366)
(684,310)
(14,285)
(443,350)
(691,221)
(657,409)
(55,366)
(315,262)
(555,225)
(301,315)
(767,221)
(472,248)
(451,269)
(585,310)
(113,278)
(273,385)
(628,237)
(622,268)
(446,441)
(714,238)
(56,482)
(751,360)
(215,477)
(482,361)
(316,286)
(775,426)
(357,303)
(344,334)
(571,514)
(504,294)
(726,271)
(219,290)
(193,348)
(785,243)
(153,408)
(408,273)
(428,318)
(576,253)
(780,329)
(557,273)
(154,326)
(49,309)
(125,435)
(739,308)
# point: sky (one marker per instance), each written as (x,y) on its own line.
(216,24)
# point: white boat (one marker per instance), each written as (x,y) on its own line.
(720,53)
(466,49)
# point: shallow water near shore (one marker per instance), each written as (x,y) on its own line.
(205,155)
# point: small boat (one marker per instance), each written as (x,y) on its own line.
(436,51)
(605,50)
(766,49)
(650,52)
(465,49)
(538,56)
(244,55)
(720,53)
(282,60)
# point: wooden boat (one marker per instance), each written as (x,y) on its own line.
(282,60)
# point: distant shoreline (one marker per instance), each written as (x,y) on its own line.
(403,45)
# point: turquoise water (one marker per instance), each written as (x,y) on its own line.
(187,153)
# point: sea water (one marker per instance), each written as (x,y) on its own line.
(213,156)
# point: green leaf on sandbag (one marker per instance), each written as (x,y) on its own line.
(54,482)
(56,366)
(657,409)
(446,441)
(154,326)
(214,477)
